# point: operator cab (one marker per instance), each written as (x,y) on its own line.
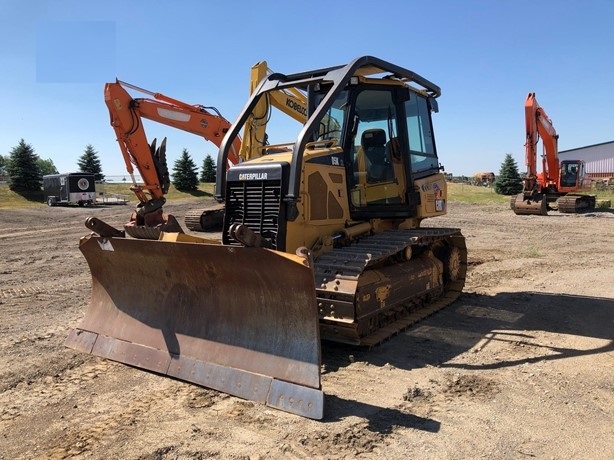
(386,134)
(366,122)
(572,173)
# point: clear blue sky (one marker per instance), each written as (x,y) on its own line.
(56,55)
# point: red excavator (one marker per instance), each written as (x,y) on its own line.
(559,184)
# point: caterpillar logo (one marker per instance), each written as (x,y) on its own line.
(253,176)
(296,107)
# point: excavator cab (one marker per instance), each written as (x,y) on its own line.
(321,240)
(572,172)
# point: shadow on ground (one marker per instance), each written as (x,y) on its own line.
(473,319)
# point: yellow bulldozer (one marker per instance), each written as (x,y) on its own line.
(321,241)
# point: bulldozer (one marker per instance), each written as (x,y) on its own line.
(321,240)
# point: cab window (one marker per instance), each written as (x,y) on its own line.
(376,161)
(421,144)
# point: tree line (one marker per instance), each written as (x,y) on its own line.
(25,169)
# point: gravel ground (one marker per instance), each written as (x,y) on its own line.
(521,366)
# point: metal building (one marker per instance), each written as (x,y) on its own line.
(599,159)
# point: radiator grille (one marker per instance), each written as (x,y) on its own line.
(256,204)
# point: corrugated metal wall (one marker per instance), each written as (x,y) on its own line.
(599,158)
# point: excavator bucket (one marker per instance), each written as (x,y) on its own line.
(536,205)
(239,320)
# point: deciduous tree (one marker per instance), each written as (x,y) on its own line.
(47,166)
(4,161)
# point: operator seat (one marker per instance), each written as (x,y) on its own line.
(377,159)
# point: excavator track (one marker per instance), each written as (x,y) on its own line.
(371,290)
(571,204)
(205,219)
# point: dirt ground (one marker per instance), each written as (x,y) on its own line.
(521,366)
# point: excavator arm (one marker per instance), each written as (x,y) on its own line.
(132,140)
(291,102)
(127,116)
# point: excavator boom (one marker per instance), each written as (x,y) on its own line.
(127,116)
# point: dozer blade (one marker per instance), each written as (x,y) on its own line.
(239,320)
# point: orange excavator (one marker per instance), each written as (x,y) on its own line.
(559,184)
(127,116)
(126,119)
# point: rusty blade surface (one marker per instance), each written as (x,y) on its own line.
(239,320)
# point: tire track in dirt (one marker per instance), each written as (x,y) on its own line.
(95,428)
(28,291)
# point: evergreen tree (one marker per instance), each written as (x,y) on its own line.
(508,181)
(207,173)
(90,163)
(185,173)
(23,170)
(47,166)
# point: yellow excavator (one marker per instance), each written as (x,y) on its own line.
(321,241)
